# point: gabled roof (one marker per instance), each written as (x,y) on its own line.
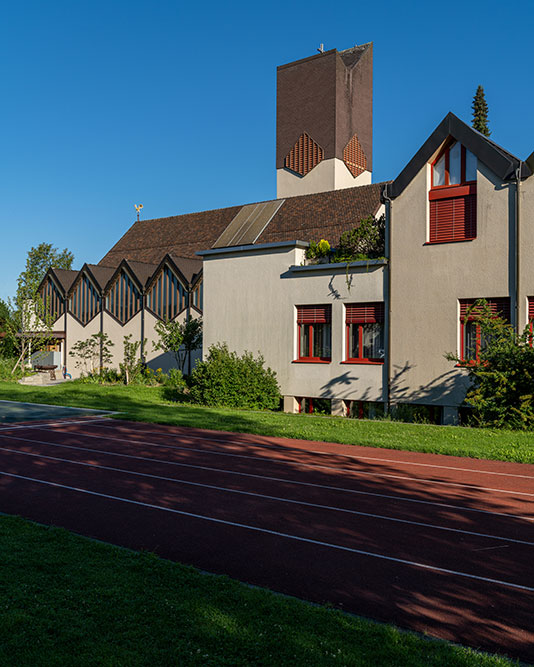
(139,271)
(187,269)
(190,268)
(496,158)
(182,235)
(100,274)
(306,217)
(142,271)
(324,215)
(65,277)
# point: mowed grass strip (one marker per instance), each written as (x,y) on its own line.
(152,404)
(68,600)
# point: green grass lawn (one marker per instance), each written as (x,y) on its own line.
(150,405)
(67,600)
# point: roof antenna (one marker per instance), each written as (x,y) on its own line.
(138,207)
(321,48)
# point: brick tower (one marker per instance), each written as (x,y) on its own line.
(324,122)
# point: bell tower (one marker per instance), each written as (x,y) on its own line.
(324,122)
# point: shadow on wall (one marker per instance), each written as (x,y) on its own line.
(446,389)
(343,385)
(166,361)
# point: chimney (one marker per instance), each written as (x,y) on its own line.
(324,122)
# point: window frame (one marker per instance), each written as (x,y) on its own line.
(501,307)
(121,296)
(375,315)
(445,151)
(83,302)
(327,322)
(465,190)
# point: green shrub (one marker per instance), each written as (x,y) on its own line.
(175,380)
(367,241)
(226,379)
(6,366)
(317,250)
(502,390)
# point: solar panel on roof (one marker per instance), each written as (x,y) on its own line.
(248,224)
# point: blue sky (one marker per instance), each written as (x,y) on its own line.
(172,104)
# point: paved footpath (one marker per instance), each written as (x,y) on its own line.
(438,544)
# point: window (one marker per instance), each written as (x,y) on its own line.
(123,300)
(314,333)
(472,341)
(197,295)
(315,406)
(166,297)
(365,333)
(53,304)
(364,409)
(84,301)
(452,196)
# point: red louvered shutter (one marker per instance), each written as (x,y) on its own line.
(498,307)
(313,314)
(453,219)
(365,313)
(530,308)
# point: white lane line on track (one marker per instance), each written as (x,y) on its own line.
(272,479)
(288,536)
(312,466)
(43,427)
(316,451)
(268,497)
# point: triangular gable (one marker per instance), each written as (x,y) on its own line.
(170,262)
(124,266)
(500,161)
(62,278)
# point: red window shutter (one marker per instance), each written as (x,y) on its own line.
(313,314)
(531,308)
(453,219)
(365,313)
(499,308)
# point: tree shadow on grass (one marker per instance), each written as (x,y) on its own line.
(451,606)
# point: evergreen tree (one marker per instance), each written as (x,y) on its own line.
(480,112)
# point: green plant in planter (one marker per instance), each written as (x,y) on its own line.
(318,250)
(366,241)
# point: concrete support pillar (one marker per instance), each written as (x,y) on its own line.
(291,404)
(450,415)
(339,407)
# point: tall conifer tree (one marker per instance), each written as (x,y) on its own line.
(480,112)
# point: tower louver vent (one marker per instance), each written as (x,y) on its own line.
(354,157)
(304,156)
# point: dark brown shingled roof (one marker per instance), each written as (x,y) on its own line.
(190,268)
(101,274)
(180,235)
(305,218)
(325,215)
(65,277)
(143,272)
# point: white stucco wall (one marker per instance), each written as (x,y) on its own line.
(250,301)
(428,280)
(76,332)
(331,174)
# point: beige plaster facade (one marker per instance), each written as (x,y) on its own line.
(116,331)
(250,301)
(427,281)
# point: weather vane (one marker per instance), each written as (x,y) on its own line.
(138,207)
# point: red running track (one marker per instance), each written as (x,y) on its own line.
(438,544)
